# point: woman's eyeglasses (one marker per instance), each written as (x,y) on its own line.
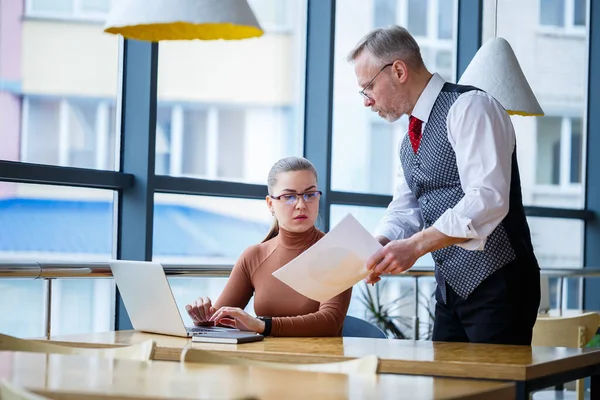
(293,198)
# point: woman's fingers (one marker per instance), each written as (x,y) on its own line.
(217,315)
(206,306)
(192,313)
(225,312)
(229,322)
(200,310)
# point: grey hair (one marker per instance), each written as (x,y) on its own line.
(288,164)
(388,45)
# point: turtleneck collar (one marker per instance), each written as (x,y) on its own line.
(297,240)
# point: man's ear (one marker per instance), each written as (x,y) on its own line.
(400,71)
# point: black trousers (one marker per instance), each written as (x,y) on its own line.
(501,310)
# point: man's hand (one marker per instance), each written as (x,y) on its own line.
(398,256)
(395,257)
(374,277)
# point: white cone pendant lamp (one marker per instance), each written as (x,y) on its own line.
(496,70)
(156,20)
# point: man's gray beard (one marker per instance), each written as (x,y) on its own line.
(391,118)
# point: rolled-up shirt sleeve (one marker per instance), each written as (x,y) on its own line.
(482,136)
(402,218)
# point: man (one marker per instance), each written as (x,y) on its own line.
(458,195)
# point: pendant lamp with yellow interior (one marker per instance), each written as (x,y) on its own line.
(496,70)
(156,20)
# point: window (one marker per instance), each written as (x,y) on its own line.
(58,107)
(559,163)
(205,230)
(69,9)
(384,12)
(275,15)
(82,306)
(222,143)
(58,85)
(395,293)
(202,229)
(416,19)
(559,151)
(550,149)
(229,109)
(432,24)
(558,243)
(22,307)
(355,128)
(78,306)
(369,217)
(381,171)
(445,19)
(564,14)
(54,223)
(69,132)
(50,6)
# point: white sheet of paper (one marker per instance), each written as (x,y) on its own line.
(335,263)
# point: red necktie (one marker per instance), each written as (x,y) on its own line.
(414,132)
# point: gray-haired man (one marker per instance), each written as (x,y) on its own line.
(458,195)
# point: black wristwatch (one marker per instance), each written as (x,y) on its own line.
(268,323)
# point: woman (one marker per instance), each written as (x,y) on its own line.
(294,202)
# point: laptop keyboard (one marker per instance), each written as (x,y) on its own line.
(204,329)
(198,329)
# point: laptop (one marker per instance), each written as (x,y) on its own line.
(151,306)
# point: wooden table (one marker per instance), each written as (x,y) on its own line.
(565,313)
(75,377)
(532,368)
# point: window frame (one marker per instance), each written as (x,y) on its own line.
(102,130)
(431,41)
(568,28)
(287,26)
(564,185)
(76,15)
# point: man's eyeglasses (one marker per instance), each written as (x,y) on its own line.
(368,85)
(293,198)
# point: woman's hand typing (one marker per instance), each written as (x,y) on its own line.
(201,311)
(237,318)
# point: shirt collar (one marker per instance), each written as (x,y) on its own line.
(427,99)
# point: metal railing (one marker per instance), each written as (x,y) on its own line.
(49,270)
(69,270)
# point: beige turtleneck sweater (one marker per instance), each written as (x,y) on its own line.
(293,314)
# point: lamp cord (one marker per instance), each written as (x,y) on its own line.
(496,19)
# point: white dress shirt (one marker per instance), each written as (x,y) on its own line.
(482,136)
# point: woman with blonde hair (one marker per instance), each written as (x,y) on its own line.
(293,200)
